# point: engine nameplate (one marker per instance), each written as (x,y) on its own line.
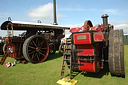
(81,37)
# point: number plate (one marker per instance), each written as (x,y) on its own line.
(81,37)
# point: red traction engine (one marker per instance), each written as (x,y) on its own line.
(34,44)
(89,47)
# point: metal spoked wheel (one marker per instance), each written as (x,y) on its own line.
(116,53)
(35,49)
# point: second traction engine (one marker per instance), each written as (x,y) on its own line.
(89,47)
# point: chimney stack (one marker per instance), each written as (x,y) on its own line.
(54,8)
(105,19)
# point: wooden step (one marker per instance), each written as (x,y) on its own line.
(66,59)
(68,42)
(65,71)
(67,53)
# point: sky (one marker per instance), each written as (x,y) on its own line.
(72,13)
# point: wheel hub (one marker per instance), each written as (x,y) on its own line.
(37,49)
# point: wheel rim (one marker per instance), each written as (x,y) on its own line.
(116,53)
(35,49)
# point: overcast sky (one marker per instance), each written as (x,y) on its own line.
(69,12)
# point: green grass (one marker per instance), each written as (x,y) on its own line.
(48,73)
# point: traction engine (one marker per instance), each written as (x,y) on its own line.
(35,44)
(89,47)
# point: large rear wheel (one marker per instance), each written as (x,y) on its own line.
(35,49)
(116,53)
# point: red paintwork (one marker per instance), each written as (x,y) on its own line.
(82,41)
(98,37)
(88,50)
(88,66)
(99,28)
(75,29)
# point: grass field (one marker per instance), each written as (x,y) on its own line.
(48,73)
